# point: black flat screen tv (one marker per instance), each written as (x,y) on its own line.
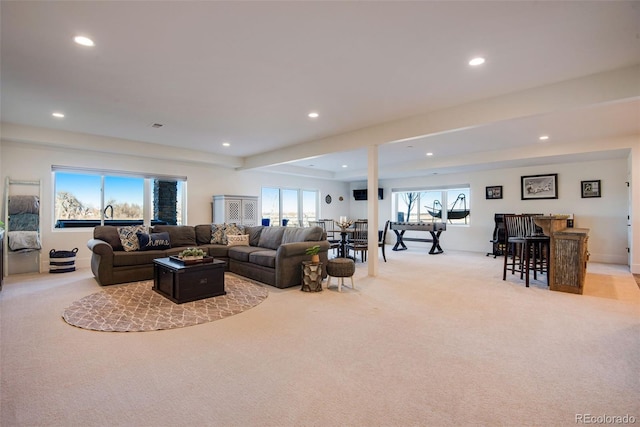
(362,194)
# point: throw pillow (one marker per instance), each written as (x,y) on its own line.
(233,229)
(129,237)
(238,240)
(154,241)
(217,234)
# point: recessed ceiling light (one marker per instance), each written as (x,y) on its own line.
(429,154)
(476,61)
(84,41)
(58,115)
(226,144)
(344,166)
(544,137)
(313,115)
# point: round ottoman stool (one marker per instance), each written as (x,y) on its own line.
(340,268)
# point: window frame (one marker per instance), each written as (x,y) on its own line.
(148,196)
(299,203)
(444,198)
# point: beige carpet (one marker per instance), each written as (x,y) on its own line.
(436,340)
(136,307)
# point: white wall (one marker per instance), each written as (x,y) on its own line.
(20,160)
(633,176)
(605,216)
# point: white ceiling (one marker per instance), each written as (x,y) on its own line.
(249,72)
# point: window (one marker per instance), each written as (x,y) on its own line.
(287,206)
(427,205)
(86,198)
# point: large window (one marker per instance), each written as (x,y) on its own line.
(288,206)
(450,205)
(86,198)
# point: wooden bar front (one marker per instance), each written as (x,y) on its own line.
(568,254)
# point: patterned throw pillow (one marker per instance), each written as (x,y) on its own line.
(233,230)
(129,237)
(217,234)
(238,240)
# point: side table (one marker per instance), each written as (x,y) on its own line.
(311,276)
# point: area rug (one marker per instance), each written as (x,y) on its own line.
(637,277)
(136,307)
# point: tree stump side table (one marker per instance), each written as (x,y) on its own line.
(311,276)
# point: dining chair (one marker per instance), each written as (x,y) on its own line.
(359,241)
(382,236)
(333,243)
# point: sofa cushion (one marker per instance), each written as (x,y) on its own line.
(263,258)
(138,258)
(109,234)
(129,237)
(241,253)
(215,250)
(239,240)
(296,234)
(271,237)
(203,234)
(254,234)
(180,235)
(154,241)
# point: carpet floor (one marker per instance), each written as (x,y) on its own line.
(136,307)
(433,340)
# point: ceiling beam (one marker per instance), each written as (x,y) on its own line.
(108,145)
(595,89)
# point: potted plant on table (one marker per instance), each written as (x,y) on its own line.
(191,254)
(314,252)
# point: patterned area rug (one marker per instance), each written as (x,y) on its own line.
(137,307)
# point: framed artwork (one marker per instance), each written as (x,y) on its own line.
(539,186)
(591,188)
(494,192)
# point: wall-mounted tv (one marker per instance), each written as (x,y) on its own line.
(362,194)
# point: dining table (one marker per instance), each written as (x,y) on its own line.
(344,241)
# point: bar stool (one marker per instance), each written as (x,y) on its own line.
(525,248)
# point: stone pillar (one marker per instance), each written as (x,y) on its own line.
(165,201)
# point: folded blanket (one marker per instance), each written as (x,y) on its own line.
(24,204)
(19,240)
(24,222)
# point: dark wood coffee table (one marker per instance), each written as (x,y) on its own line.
(184,283)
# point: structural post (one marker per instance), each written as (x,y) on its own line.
(372,209)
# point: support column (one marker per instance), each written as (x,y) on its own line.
(372,209)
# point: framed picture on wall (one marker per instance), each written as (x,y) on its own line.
(494,192)
(591,188)
(539,186)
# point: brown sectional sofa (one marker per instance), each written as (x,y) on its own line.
(274,255)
